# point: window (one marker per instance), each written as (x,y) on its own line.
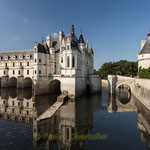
(73,62)
(18,71)
(27,112)
(35,71)
(12,110)
(13,103)
(27,63)
(68,47)
(34,130)
(5,64)
(39,71)
(27,104)
(61,59)
(13,64)
(18,103)
(27,71)
(39,60)
(13,71)
(68,61)
(20,64)
(68,133)
(4,72)
(4,102)
(35,60)
(20,111)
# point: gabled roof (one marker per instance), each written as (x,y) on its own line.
(146,48)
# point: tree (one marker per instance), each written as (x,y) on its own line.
(144,73)
(122,67)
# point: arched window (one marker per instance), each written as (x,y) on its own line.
(68,61)
(61,59)
(73,62)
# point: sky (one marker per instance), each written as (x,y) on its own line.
(113,27)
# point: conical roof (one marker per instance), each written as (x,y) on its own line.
(146,48)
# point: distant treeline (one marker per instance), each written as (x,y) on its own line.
(122,67)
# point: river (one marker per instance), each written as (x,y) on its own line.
(94,121)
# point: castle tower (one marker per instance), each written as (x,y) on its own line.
(144,55)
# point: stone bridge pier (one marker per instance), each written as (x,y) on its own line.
(18,82)
(71,86)
(112,84)
(4,81)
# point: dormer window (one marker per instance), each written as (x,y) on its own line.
(6,57)
(28,56)
(20,57)
(13,57)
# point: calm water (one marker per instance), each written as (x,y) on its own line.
(119,123)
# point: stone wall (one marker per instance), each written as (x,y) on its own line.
(95,84)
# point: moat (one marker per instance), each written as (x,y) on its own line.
(117,122)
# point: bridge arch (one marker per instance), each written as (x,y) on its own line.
(54,86)
(122,85)
(12,82)
(28,82)
(124,93)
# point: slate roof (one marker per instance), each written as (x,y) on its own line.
(81,40)
(146,48)
(43,48)
(24,53)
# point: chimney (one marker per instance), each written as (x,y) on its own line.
(48,41)
(61,33)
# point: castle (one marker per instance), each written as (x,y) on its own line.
(62,63)
(144,55)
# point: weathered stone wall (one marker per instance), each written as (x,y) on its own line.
(95,84)
(80,86)
(104,83)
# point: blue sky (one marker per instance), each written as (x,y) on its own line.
(113,27)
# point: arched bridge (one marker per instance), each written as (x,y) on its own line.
(140,88)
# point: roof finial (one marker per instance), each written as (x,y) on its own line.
(72,32)
(81,31)
(42,39)
(72,28)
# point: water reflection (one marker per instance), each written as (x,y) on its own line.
(125,102)
(72,118)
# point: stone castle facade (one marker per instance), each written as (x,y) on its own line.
(62,62)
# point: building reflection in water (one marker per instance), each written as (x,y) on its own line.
(21,106)
(72,118)
(125,102)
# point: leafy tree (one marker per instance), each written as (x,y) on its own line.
(144,73)
(122,67)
